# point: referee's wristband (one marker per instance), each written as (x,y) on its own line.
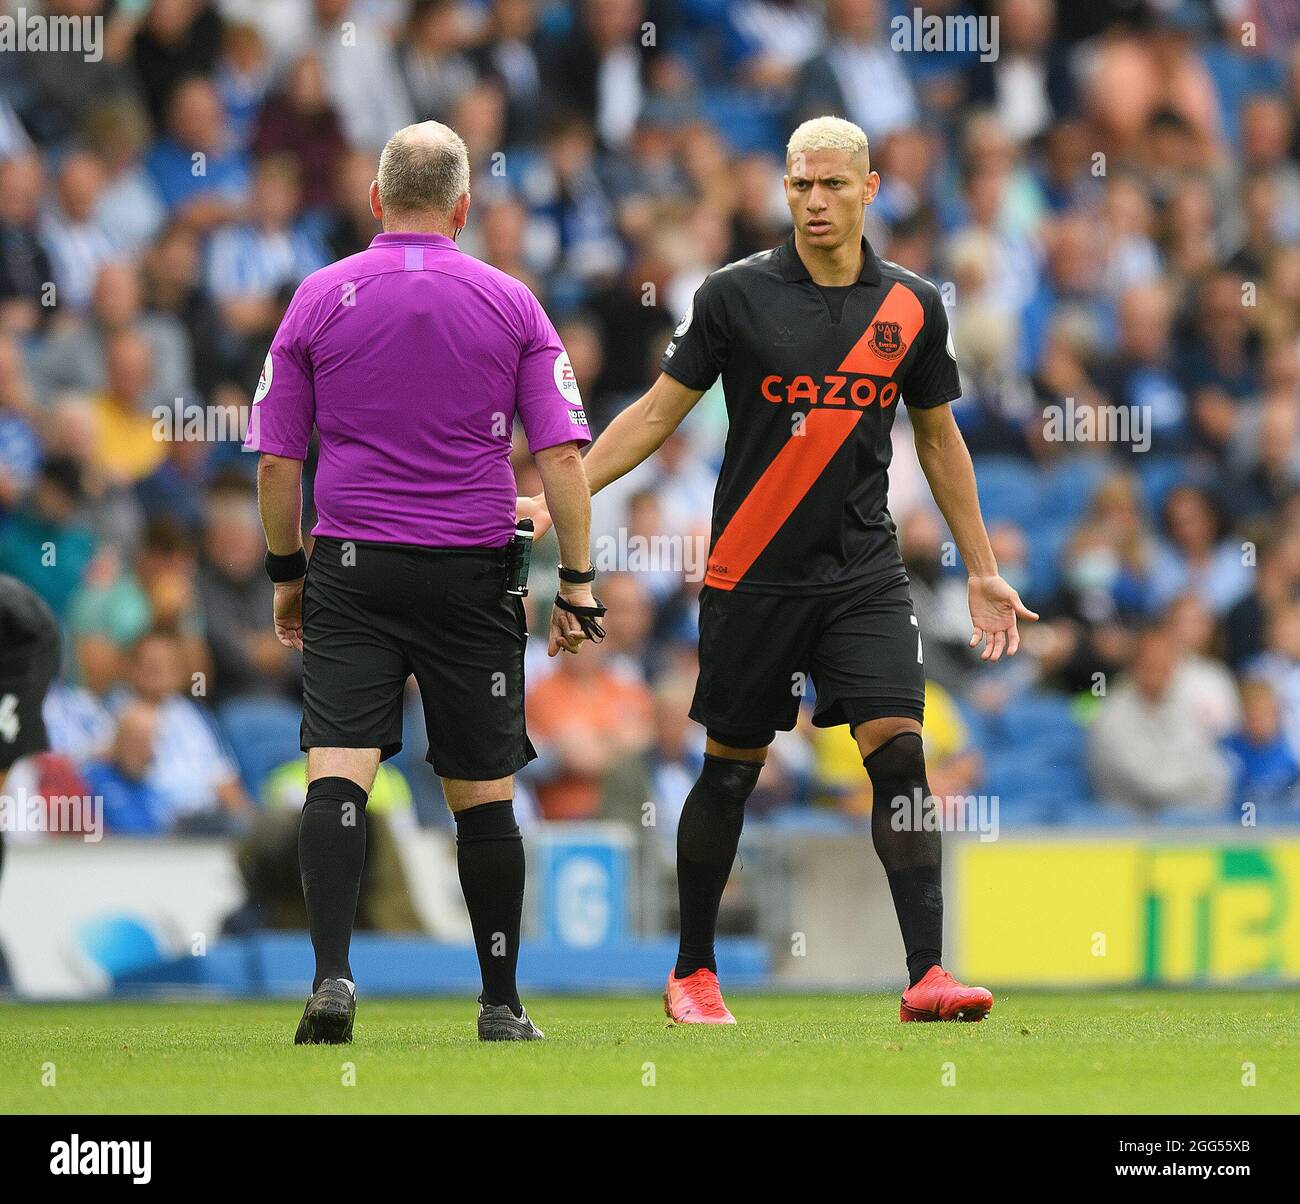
(578,576)
(286,568)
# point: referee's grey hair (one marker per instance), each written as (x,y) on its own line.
(423,168)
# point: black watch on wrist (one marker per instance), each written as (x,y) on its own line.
(286,568)
(578,576)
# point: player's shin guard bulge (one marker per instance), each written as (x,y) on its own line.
(908,843)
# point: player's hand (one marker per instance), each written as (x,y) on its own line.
(994,608)
(534,508)
(566,632)
(288,613)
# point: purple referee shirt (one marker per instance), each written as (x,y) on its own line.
(412,360)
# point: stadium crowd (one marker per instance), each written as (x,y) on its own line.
(1111,206)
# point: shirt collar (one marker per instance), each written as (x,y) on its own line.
(793,268)
(397,238)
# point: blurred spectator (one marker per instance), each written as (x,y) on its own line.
(1279,665)
(247,658)
(250,264)
(857,76)
(133,805)
(1266,773)
(198,169)
(585,718)
(129,209)
(25,273)
(176,39)
(1147,749)
(20,445)
(77,243)
(298,120)
(435,68)
(509,54)
(45,544)
(361,71)
(1274,583)
(1204,681)
(75,356)
(189,769)
(597,70)
(1195,554)
(127,448)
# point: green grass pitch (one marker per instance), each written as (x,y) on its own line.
(1122,1052)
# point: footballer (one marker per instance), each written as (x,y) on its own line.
(816,342)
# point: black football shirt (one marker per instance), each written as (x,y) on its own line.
(800,505)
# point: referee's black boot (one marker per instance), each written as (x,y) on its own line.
(327,1018)
(496,1022)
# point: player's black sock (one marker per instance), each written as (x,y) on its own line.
(331,857)
(490,858)
(707,838)
(910,853)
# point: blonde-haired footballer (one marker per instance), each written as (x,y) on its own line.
(817,342)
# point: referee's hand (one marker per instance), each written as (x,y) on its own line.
(288,613)
(566,632)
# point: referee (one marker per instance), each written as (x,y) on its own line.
(412,361)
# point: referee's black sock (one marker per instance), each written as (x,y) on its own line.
(909,847)
(490,858)
(331,856)
(708,835)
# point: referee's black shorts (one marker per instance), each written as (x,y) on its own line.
(374,613)
(859,649)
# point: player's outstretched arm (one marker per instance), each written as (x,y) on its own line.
(635,435)
(994,605)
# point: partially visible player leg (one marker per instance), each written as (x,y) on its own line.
(708,836)
(29,662)
(911,853)
(754,650)
(895,761)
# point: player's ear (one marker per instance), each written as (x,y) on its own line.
(871,187)
(376,209)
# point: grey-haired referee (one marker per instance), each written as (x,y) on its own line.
(412,360)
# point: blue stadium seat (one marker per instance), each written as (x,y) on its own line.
(1157,476)
(1009,489)
(262,734)
(1068,487)
(745,119)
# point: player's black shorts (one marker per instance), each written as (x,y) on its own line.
(860,649)
(375,615)
(29,660)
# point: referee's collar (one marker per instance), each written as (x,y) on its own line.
(793,268)
(397,238)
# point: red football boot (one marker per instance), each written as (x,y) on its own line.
(939,996)
(695,999)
